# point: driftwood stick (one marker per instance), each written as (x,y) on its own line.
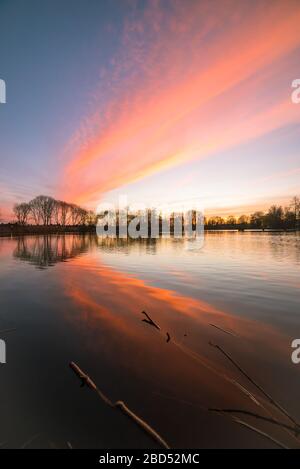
(267,395)
(150,321)
(154,324)
(259,432)
(223,330)
(294,430)
(274,421)
(142,424)
(196,357)
(85,379)
(120,405)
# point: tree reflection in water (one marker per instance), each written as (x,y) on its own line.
(46,251)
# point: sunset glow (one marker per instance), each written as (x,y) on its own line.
(188,98)
(149,227)
(173,96)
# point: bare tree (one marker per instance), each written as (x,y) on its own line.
(35,211)
(231,220)
(78,215)
(275,217)
(91,218)
(42,208)
(257,219)
(83,214)
(243,220)
(75,214)
(64,213)
(295,206)
(216,221)
(22,212)
(57,212)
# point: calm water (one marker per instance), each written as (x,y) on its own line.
(80,298)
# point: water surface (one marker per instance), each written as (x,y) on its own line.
(81,298)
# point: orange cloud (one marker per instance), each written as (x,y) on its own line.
(198,81)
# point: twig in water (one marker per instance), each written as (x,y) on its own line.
(150,321)
(223,330)
(270,398)
(85,379)
(196,357)
(294,430)
(259,432)
(257,416)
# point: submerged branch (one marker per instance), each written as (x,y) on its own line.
(150,321)
(265,393)
(258,431)
(85,379)
(274,421)
(223,330)
(294,431)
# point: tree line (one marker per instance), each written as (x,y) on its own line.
(45,210)
(277,217)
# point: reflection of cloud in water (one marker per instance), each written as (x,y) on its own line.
(109,304)
(103,289)
(103,307)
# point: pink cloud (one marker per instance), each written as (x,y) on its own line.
(189,83)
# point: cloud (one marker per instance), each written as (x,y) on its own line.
(190,81)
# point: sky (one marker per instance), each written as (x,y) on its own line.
(161,101)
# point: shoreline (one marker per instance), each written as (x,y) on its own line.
(19,230)
(10,229)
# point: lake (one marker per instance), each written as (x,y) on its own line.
(80,298)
